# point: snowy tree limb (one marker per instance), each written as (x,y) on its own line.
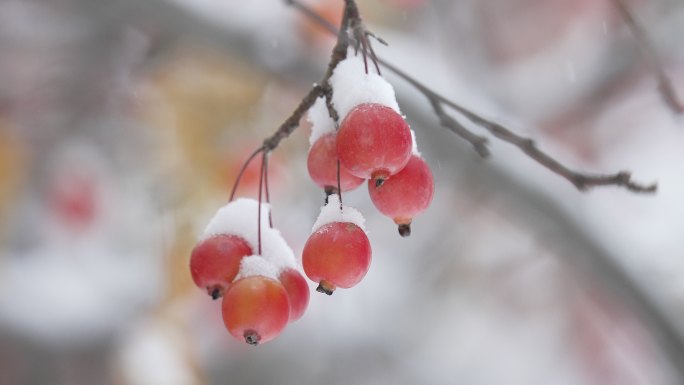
(582,181)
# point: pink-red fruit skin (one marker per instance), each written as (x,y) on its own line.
(337,254)
(297,291)
(322,166)
(215,262)
(374,141)
(255,309)
(406,194)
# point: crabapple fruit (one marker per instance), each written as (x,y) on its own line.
(374,142)
(406,194)
(215,262)
(322,165)
(297,290)
(73,198)
(337,254)
(255,309)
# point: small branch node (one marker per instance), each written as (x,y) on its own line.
(353,32)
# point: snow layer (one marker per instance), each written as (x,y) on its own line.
(352,86)
(238,218)
(331,213)
(321,122)
(275,250)
(414,145)
(256,265)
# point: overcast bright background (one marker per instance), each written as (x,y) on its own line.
(123,124)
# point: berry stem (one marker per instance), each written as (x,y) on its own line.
(242,171)
(261,180)
(339,188)
(268,197)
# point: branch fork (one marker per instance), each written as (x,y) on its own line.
(353,32)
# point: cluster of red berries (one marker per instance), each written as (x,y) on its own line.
(256,274)
(373,142)
(259,281)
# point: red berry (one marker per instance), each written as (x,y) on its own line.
(322,166)
(297,291)
(74,199)
(406,194)
(336,255)
(255,309)
(374,142)
(215,262)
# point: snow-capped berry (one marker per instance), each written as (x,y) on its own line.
(406,194)
(255,309)
(215,262)
(353,85)
(322,165)
(297,291)
(337,254)
(374,142)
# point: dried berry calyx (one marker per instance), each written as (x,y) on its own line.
(256,309)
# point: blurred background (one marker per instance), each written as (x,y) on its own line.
(124,123)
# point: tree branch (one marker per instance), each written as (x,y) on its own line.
(292,122)
(582,181)
(339,53)
(665,86)
(478,142)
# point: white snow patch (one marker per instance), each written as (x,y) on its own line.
(331,213)
(239,218)
(321,122)
(352,86)
(275,250)
(256,265)
(414,145)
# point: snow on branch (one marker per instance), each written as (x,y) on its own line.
(352,32)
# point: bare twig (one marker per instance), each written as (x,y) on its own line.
(665,86)
(339,53)
(292,122)
(478,142)
(582,181)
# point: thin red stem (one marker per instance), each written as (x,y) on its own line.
(261,179)
(268,197)
(242,171)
